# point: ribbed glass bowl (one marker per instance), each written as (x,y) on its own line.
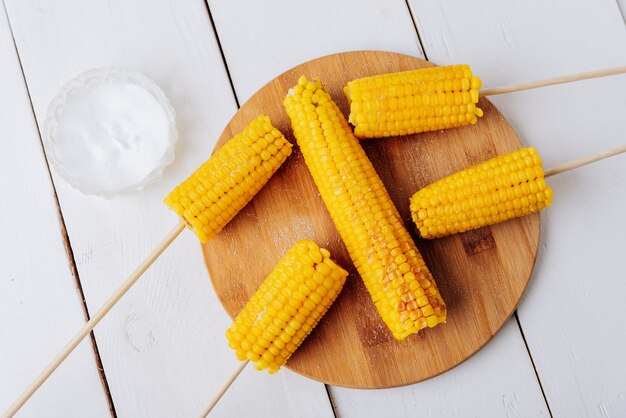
(82,180)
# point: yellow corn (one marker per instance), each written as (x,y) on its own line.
(287,306)
(502,188)
(224,184)
(422,100)
(393,270)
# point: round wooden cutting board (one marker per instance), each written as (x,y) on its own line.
(481,274)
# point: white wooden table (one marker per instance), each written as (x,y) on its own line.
(161,352)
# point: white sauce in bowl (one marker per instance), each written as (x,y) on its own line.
(111,134)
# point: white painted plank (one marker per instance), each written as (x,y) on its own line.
(263,39)
(40,308)
(460,393)
(162,347)
(295,33)
(572,313)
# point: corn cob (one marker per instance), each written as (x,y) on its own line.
(224,184)
(287,306)
(392,268)
(499,189)
(415,101)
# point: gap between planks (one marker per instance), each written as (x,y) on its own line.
(219,45)
(330,399)
(621,10)
(64,235)
(417,29)
(543,393)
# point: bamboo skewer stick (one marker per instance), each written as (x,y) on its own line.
(552,81)
(583,161)
(222,390)
(89,326)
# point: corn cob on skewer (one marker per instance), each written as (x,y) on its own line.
(504,187)
(414,101)
(287,306)
(225,183)
(392,268)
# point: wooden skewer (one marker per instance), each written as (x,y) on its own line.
(552,81)
(86,329)
(222,390)
(583,161)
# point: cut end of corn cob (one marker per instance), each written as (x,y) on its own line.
(414,101)
(286,307)
(402,288)
(224,184)
(505,187)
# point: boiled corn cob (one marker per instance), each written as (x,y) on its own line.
(225,183)
(287,306)
(499,189)
(414,101)
(392,268)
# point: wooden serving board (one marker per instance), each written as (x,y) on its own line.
(481,274)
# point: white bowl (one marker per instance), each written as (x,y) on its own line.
(110,131)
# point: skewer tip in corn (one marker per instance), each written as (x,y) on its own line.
(408,102)
(227,181)
(504,187)
(286,307)
(402,288)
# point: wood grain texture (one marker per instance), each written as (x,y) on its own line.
(40,307)
(481,274)
(578,355)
